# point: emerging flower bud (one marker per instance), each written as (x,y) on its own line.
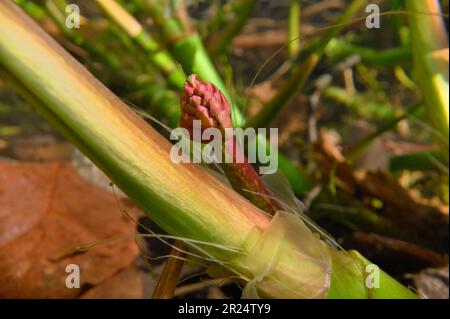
(205,102)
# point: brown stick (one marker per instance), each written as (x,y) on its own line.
(168,280)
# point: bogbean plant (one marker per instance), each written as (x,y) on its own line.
(278,257)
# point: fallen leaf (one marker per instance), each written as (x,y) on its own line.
(46,212)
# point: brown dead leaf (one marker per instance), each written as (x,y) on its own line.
(46,211)
(420,221)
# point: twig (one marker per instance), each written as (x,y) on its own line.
(169,277)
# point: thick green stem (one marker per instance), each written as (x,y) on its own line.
(430,49)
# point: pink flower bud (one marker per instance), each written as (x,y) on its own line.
(205,102)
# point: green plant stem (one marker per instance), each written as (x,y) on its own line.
(429,37)
(398,23)
(299,181)
(220,41)
(33,9)
(294,28)
(169,28)
(159,57)
(339,49)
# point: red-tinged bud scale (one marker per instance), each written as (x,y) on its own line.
(205,102)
